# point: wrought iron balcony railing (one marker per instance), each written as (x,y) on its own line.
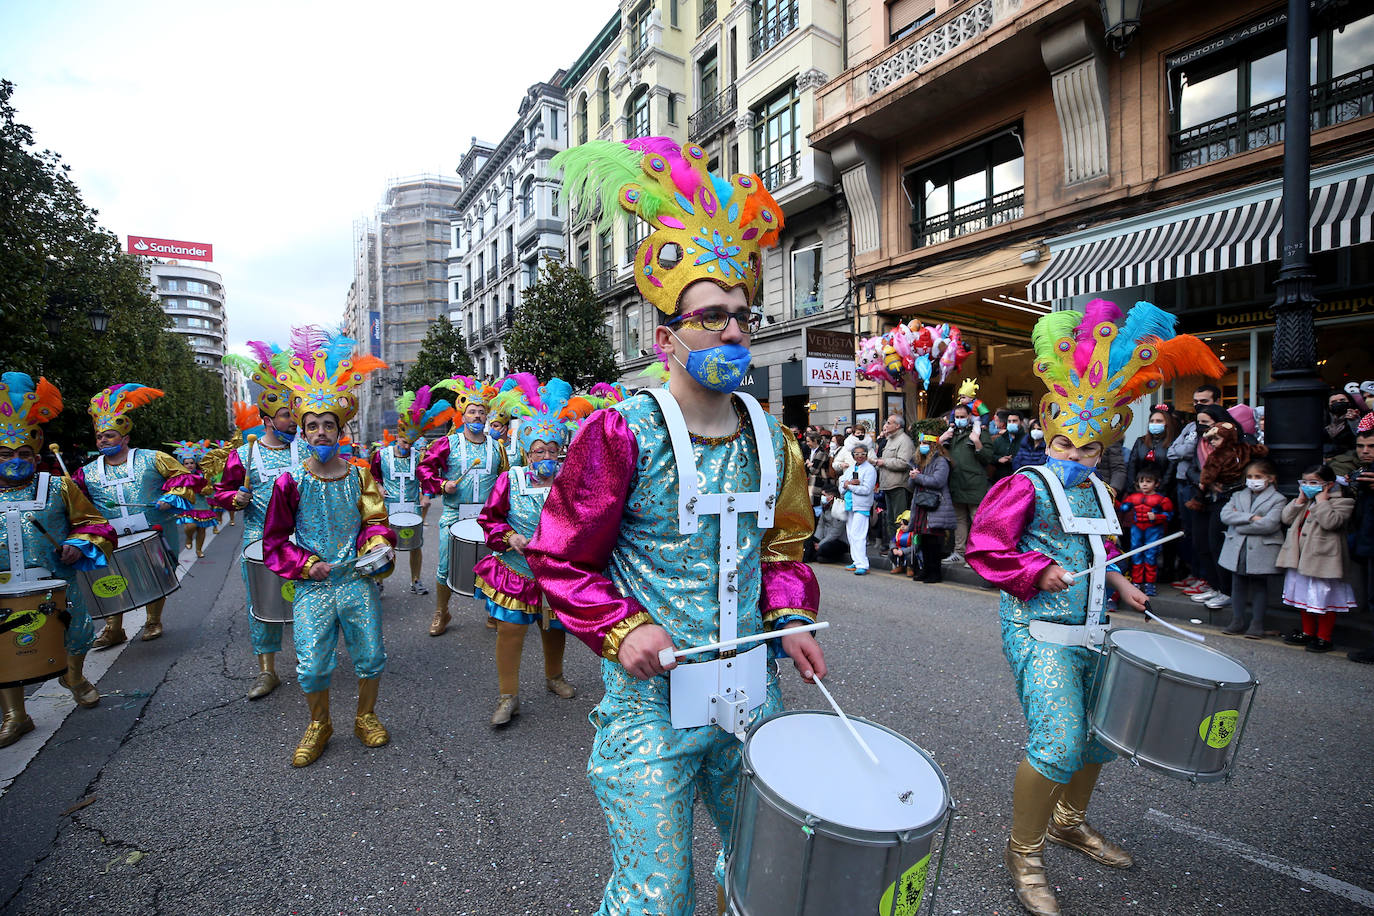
(781,172)
(981,214)
(769,33)
(707,15)
(713,112)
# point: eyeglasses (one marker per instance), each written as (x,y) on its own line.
(545,451)
(716,320)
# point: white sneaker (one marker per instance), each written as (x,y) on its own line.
(1202,597)
(952,560)
(1219,600)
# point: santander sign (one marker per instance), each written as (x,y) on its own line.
(168,248)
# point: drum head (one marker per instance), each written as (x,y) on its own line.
(253,551)
(16,587)
(405,520)
(811,761)
(371,562)
(126,539)
(1181,655)
(469,530)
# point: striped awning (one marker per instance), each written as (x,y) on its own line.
(1237,229)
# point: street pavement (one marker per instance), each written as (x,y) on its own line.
(176,795)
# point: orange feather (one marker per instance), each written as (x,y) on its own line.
(245,415)
(1180,356)
(47,404)
(366,363)
(137,398)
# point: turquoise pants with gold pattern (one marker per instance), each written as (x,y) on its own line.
(323,609)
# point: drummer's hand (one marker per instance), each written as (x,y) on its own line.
(1126,591)
(639,651)
(70,555)
(518,542)
(242,500)
(1054,579)
(166,505)
(320,570)
(805,653)
(450,487)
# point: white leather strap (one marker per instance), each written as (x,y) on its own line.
(1093,528)
(14,531)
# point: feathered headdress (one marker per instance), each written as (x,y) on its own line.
(195,449)
(248,420)
(1094,369)
(267,360)
(24,406)
(418,413)
(324,372)
(109,408)
(467,390)
(704,227)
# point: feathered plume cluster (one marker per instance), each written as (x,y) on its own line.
(419,413)
(24,406)
(323,372)
(108,408)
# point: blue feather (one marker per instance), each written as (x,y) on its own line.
(19,384)
(556,393)
(337,348)
(1144,320)
(435,409)
(724,189)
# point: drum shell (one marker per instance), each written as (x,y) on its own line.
(148,570)
(28,658)
(1155,716)
(463,555)
(268,590)
(403,522)
(782,853)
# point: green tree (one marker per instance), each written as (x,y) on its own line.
(443,354)
(559,330)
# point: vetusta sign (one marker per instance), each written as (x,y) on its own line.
(829,359)
(170,248)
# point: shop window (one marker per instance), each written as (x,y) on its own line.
(975,188)
(1232,100)
(807,297)
(777,138)
(631,339)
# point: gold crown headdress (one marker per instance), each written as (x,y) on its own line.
(323,373)
(23,407)
(466,390)
(110,407)
(418,413)
(267,360)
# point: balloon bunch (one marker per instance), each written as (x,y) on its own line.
(914,348)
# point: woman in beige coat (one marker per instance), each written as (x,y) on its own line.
(1316,557)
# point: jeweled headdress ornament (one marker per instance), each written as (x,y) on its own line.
(467,390)
(704,227)
(109,408)
(24,406)
(267,360)
(190,448)
(419,413)
(323,373)
(1094,369)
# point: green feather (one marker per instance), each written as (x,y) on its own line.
(403,403)
(596,171)
(1048,331)
(244,364)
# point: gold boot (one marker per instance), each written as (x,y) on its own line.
(152,629)
(720,900)
(1033,799)
(441,618)
(1070,826)
(267,680)
(507,705)
(83,691)
(318,733)
(15,723)
(112,635)
(367,726)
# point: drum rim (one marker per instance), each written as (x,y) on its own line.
(464,521)
(1110,646)
(1161,767)
(831,828)
(392,519)
(38,585)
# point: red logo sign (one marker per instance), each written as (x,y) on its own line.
(169,248)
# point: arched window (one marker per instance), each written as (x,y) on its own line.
(637,113)
(603,97)
(527,199)
(582,119)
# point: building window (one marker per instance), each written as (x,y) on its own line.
(709,69)
(672,13)
(672,108)
(582,118)
(807,298)
(636,231)
(639,29)
(637,113)
(584,260)
(772,20)
(527,198)
(553,123)
(603,97)
(974,188)
(605,260)
(777,136)
(631,341)
(1232,100)
(904,17)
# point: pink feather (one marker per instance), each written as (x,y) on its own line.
(306,340)
(687,179)
(530,386)
(1096,312)
(423,398)
(261,352)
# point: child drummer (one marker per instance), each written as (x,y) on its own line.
(1040,524)
(337,514)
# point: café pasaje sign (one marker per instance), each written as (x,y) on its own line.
(170,248)
(829,359)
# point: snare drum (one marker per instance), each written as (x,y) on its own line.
(272,595)
(1170,704)
(140,571)
(820,830)
(371,564)
(467,545)
(33,627)
(410,530)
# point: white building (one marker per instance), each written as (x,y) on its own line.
(193,298)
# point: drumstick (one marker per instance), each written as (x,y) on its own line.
(248,465)
(43,531)
(1164,540)
(847,724)
(57,453)
(1149,612)
(476,461)
(666,656)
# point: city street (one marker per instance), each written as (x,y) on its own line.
(176,794)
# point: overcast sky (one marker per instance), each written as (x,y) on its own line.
(267,128)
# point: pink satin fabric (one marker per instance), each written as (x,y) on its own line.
(281,556)
(429,471)
(507,581)
(492,518)
(229,482)
(788,584)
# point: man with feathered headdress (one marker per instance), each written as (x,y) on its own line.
(1039,523)
(639,551)
(322,518)
(395,465)
(51,528)
(135,489)
(462,468)
(246,483)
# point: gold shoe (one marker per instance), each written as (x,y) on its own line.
(11,730)
(151,630)
(1030,884)
(561,687)
(200,554)
(83,691)
(370,730)
(491,623)
(1091,843)
(110,636)
(506,707)
(316,736)
(265,683)
(439,624)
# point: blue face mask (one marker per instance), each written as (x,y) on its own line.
(719,368)
(16,470)
(475,428)
(1156,429)
(1070,472)
(546,467)
(1310,490)
(112,451)
(288,438)
(324,453)
(924,449)
(1013,428)
(496,432)
(961,422)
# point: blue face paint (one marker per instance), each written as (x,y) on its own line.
(16,470)
(1070,472)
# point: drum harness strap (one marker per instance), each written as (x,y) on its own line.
(14,532)
(1090,634)
(126,522)
(725,690)
(473,508)
(270,475)
(403,477)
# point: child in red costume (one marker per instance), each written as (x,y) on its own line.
(1148,513)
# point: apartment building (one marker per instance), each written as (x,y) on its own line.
(1000,159)
(193,298)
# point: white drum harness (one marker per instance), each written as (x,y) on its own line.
(14,532)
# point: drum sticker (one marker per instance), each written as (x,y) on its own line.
(26,634)
(288,591)
(1218,730)
(109,586)
(4,578)
(903,898)
(406,533)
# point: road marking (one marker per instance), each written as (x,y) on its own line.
(51,703)
(1306,875)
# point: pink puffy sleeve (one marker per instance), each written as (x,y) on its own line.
(290,561)
(430,469)
(229,482)
(997,527)
(578,530)
(494,514)
(79,478)
(375,464)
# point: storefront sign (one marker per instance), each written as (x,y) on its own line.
(829,359)
(1221,42)
(168,248)
(1204,322)
(756,382)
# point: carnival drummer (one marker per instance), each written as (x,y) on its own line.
(51,527)
(1036,526)
(135,489)
(611,555)
(395,465)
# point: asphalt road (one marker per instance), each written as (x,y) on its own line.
(189,805)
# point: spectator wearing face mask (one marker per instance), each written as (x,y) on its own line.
(1315,558)
(1343,419)
(830,543)
(1012,433)
(1151,450)
(1032,450)
(969,456)
(1362,522)
(1183,452)
(930,480)
(1224,456)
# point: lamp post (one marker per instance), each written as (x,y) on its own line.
(1295,399)
(1121,18)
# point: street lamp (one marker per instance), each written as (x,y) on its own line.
(1122,20)
(100,319)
